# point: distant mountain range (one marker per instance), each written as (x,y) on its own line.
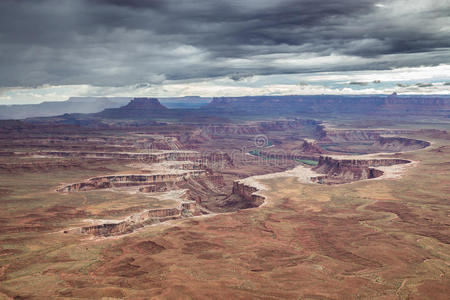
(319,105)
(72,105)
(197,109)
(88,105)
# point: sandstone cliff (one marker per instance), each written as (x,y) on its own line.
(247,193)
(156,180)
(187,209)
(347,170)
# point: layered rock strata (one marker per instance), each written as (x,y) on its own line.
(186,209)
(151,156)
(155,180)
(348,170)
(247,193)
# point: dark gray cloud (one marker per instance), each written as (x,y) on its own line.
(424,84)
(358,83)
(115,43)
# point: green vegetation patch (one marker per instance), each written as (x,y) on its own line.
(255,152)
(308,162)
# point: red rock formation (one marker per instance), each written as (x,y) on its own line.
(129,180)
(394,144)
(218,159)
(157,187)
(149,157)
(347,170)
(135,109)
(162,213)
(187,209)
(248,194)
(310,147)
(356,135)
(107,229)
(131,223)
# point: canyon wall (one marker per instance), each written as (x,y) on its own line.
(393,144)
(348,170)
(109,181)
(149,156)
(139,220)
(247,193)
(376,139)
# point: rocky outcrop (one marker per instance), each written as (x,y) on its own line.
(144,104)
(138,108)
(369,141)
(203,189)
(107,229)
(247,193)
(340,136)
(217,159)
(375,135)
(186,209)
(161,213)
(150,156)
(397,144)
(307,150)
(326,162)
(311,148)
(348,170)
(156,180)
(157,187)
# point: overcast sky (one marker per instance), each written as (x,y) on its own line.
(54,49)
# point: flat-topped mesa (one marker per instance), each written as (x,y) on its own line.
(158,180)
(354,135)
(186,209)
(399,144)
(377,137)
(339,136)
(154,156)
(348,170)
(381,105)
(326,161)
(107,229)
(214,130)
(144,104)
(138,108)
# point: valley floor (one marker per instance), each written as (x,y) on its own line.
(387,238)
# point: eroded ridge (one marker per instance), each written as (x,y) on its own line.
(336,171)
(153,156)
(248,191)
(344,170)
(186,209)
(186,182)
(166,171)
(153,182)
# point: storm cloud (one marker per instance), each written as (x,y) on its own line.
(119,43)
